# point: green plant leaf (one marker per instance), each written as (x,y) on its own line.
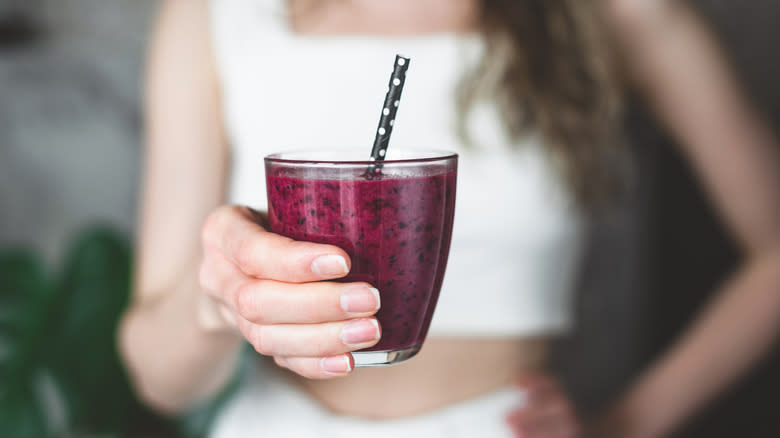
(24,298)
(92,292)
(60,373)
(23,415)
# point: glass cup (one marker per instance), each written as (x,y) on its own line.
(394,219)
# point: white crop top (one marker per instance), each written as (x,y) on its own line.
(516,239)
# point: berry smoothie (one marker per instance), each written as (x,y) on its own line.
(396,229)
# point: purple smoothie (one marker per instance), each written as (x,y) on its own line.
(395,229)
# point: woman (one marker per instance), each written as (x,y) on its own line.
(231,80)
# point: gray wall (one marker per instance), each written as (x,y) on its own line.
(69,120)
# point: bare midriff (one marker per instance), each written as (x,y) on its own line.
(446,371)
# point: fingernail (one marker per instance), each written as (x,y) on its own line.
(360,331)
(329,266)
(359,299)
(336,364)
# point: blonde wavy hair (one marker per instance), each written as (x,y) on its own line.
(551,68)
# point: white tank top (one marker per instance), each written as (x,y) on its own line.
(516,238)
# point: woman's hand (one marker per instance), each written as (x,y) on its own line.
(547,412)
(272,289)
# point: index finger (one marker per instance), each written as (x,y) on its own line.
(262,254)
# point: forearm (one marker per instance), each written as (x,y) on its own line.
(174,359)
(674,60)
(731,334)
(672,57)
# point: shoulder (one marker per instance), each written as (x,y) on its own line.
(180,53)
(637,15)
(182,22)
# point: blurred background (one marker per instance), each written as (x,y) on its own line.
(70,151)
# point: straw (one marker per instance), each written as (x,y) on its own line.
(389,110)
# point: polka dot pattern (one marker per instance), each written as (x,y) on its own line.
(389,110)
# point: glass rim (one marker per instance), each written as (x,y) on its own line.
(431,155)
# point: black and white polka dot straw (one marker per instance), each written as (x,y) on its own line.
(389,110)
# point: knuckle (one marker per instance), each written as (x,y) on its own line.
(299,368)
(232,211)
(264,342)
(236,210)
(245,251)
(259,341)
(211,226)
(322,349)
(311,314)
(247,302)
(209,279)
(215,222)
(280,361)
(315,306)
(243,212)
(205,278)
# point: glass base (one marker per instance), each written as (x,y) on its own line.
(365,359)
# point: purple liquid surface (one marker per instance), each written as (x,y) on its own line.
(396,231)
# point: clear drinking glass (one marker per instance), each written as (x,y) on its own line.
(395,225)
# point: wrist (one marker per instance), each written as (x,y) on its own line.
(611,424)
(620,421)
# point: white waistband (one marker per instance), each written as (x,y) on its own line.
(266,405)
